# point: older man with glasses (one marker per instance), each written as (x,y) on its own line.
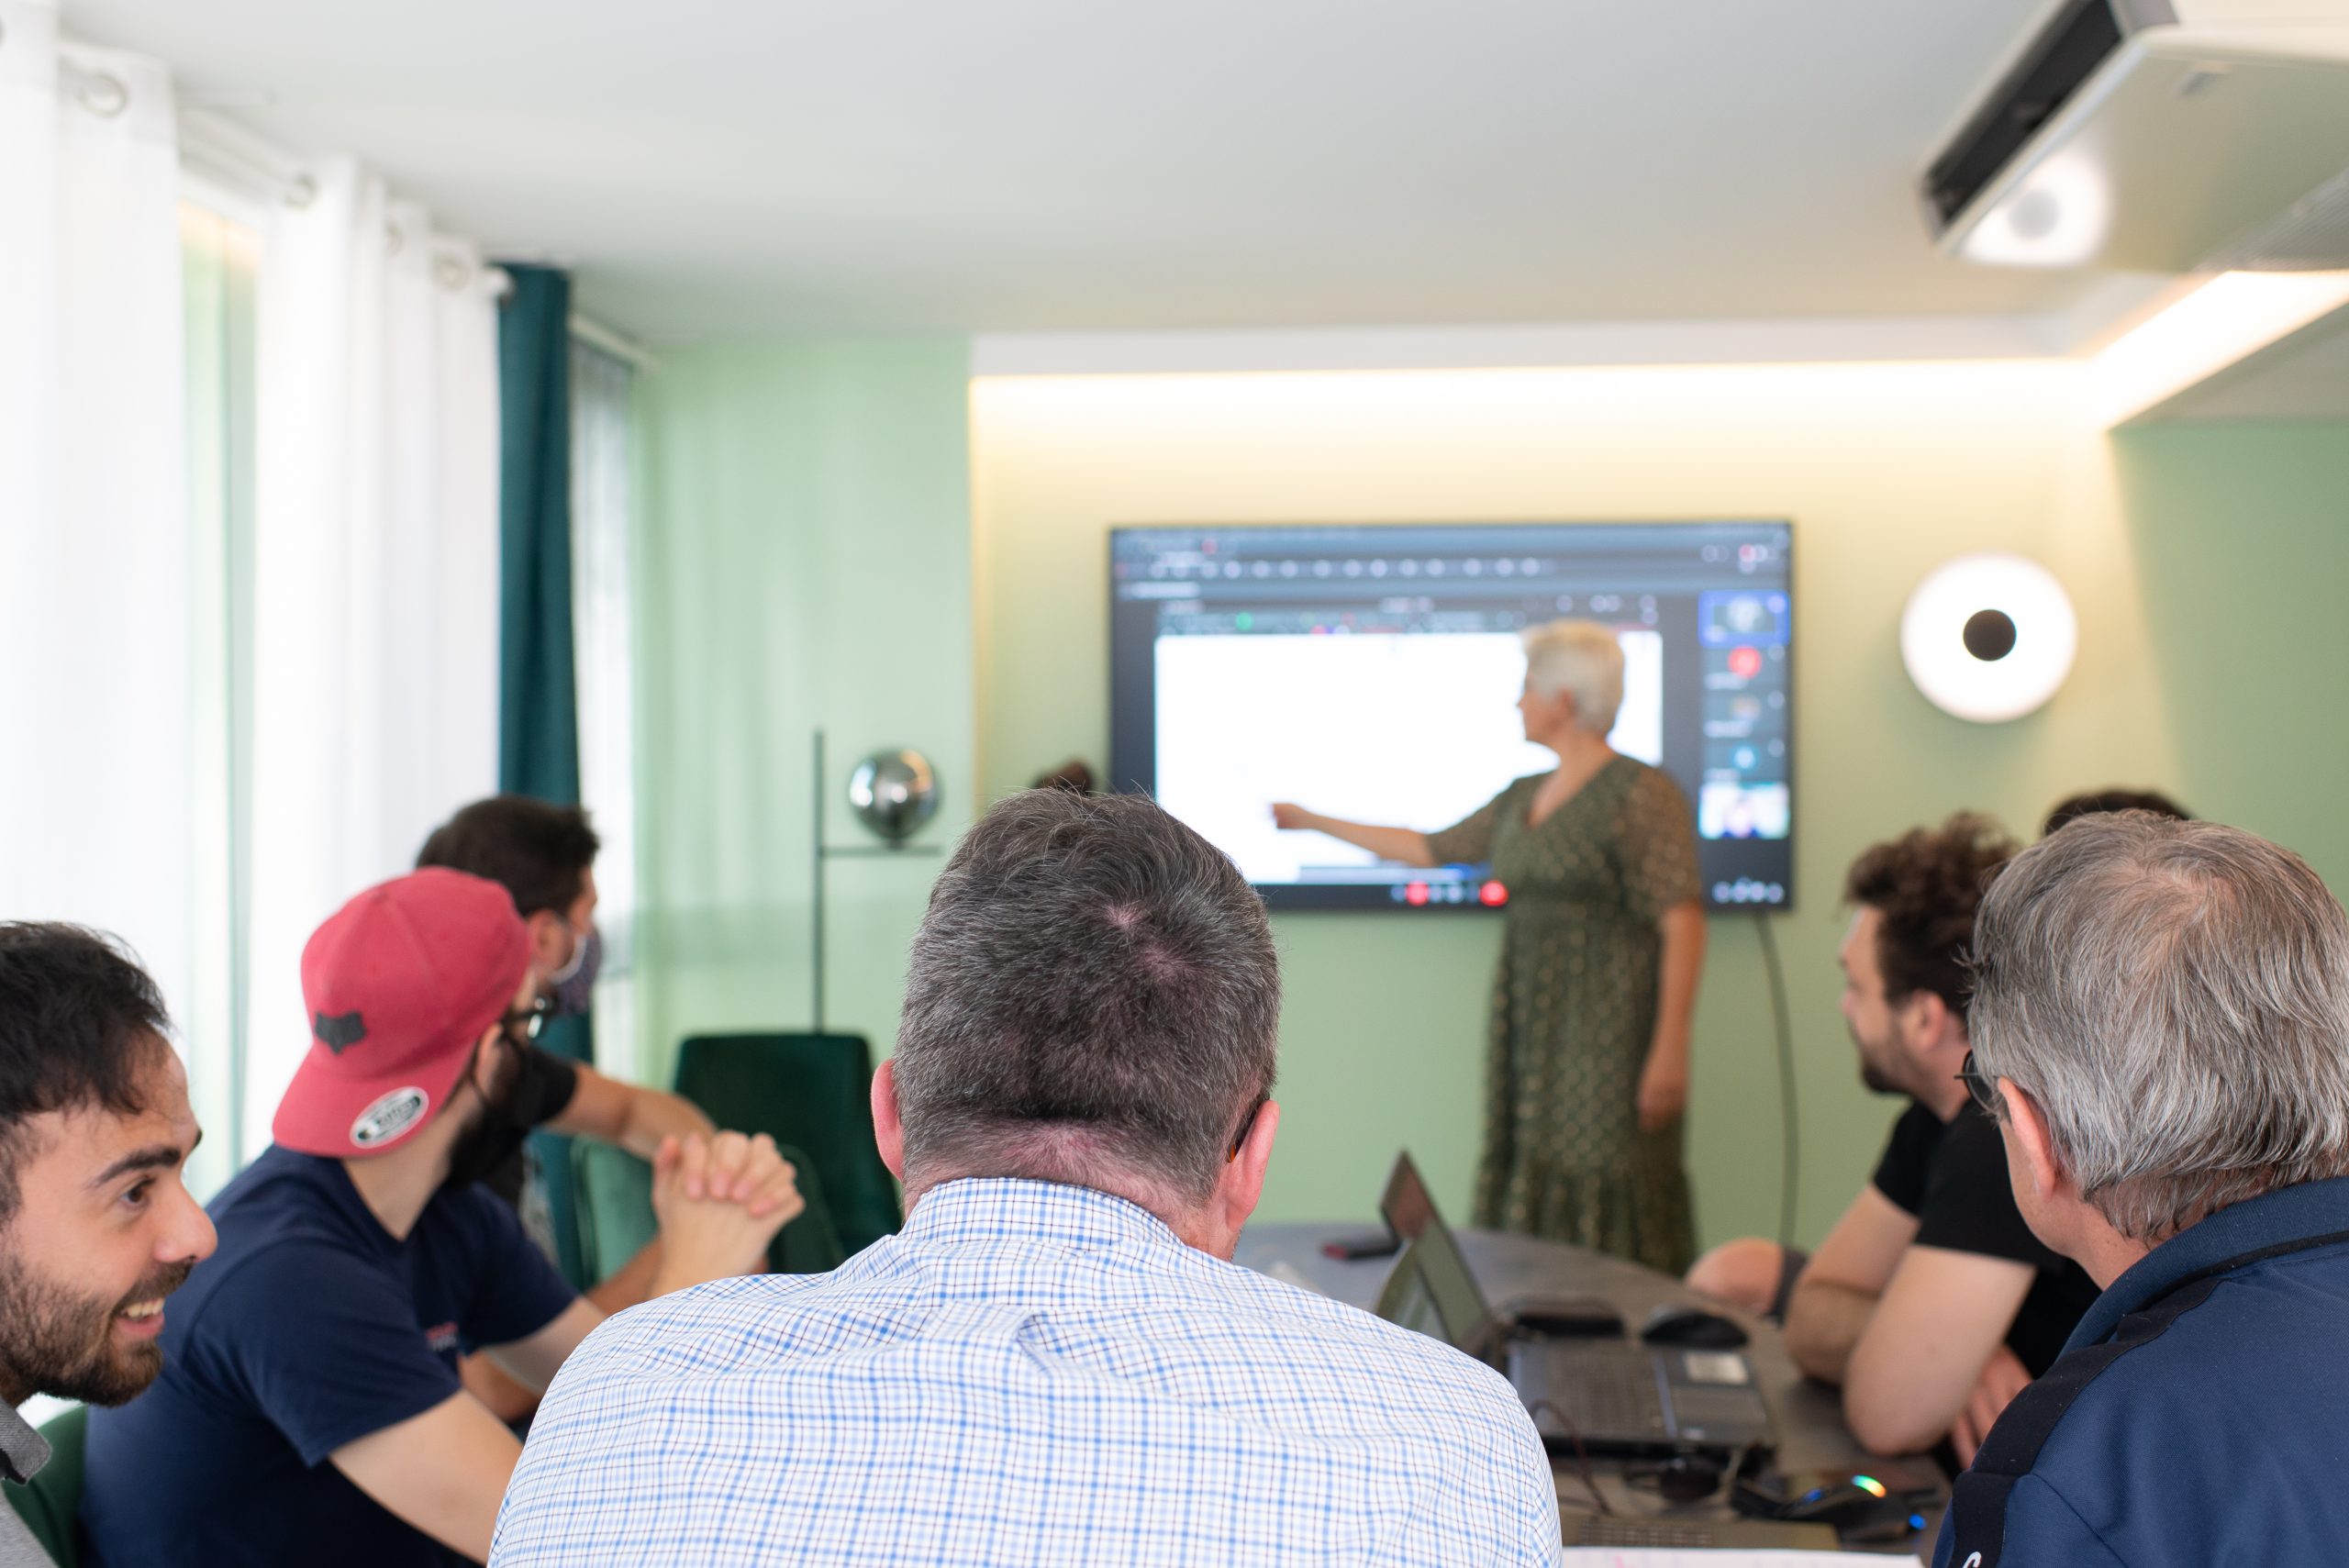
(1930,1302)
(309,1410)
(2162,1018)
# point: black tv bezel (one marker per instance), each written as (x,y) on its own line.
(1336,898)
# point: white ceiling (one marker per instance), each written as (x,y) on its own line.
(2306,376)
(718,166)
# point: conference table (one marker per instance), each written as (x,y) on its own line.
(1809,1416)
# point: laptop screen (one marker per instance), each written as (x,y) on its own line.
(1433,1292)
(1406,1207)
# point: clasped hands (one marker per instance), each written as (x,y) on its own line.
(720,1200)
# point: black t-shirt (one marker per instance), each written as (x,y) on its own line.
(1953,1178)
(310,1328)
(545,1090)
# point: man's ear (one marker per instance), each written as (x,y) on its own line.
(1923,1019)
(488,1058)
(888,1130)
(1243,1178)
(549,938)
(2032,1142)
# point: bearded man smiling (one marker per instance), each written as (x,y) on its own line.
(95,1225)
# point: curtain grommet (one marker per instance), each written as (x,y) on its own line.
(102,94)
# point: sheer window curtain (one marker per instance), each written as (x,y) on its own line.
(221,257)
(375,572)
(101,789)
(602,429)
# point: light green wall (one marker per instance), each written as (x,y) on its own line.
(828,536)
(803,558)
(2242,536)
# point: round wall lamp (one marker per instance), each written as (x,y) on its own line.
(1989,637)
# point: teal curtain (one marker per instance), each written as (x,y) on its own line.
(538,743)
(537,708)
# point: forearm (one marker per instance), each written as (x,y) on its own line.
(707,1239)
(443,1472)
(500,1394)
(1892,1409)
(634,1282)
(1407,845)
(1824,1322)
(653,1116)
(635,1118)
(1683,961)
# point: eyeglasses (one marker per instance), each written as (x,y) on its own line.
(1981,1085)
(524,1025)
(1247,1126)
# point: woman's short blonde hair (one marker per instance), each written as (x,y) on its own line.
(1582,659)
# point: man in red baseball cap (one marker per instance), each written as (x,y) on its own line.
(544,854)
(311,1408)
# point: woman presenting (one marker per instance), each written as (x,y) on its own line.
(1587,1070)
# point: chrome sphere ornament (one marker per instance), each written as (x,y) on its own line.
(893,793)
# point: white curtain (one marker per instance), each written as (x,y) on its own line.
(98,784)
(375,551)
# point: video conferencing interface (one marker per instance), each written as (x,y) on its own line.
(1372,675)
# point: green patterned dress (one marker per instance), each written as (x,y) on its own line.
(1573,1012)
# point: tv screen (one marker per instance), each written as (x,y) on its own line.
(1371,673)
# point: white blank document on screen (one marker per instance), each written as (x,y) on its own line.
(1413,730)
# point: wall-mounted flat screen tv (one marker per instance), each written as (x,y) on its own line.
(1371,673)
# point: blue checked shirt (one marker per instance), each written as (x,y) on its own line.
(1028,1373)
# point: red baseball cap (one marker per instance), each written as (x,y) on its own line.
(398,984)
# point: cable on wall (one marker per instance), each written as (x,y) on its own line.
(1790,1126)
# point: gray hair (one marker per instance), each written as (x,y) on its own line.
(2173,996)
(1093,992)
(1583,659)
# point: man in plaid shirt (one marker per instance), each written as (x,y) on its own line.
(1056,1361)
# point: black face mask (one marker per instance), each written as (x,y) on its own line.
(484,1148)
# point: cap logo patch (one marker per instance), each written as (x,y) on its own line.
(339,1033)
(389,1117)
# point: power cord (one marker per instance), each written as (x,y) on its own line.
(1582,1454)
(1791,1161)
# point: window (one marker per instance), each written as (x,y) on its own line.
(219,265)
(601,388)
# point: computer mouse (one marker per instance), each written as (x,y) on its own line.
(1680,1323)
(1857,1514)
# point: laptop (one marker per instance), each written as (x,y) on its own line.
(1406,1206)
(1616,1397)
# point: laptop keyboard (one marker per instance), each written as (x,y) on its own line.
(1602,1529)
(1602,1389)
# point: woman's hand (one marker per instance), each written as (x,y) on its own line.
(1407,845)
(1663,1087)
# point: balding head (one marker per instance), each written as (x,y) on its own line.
(1093,999)
(2174,998)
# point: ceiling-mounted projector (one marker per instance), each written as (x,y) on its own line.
(2169,135)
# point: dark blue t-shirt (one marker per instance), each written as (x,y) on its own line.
(310,1328)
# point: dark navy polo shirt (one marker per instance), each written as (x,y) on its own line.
(310,1327)
(2198,1419)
